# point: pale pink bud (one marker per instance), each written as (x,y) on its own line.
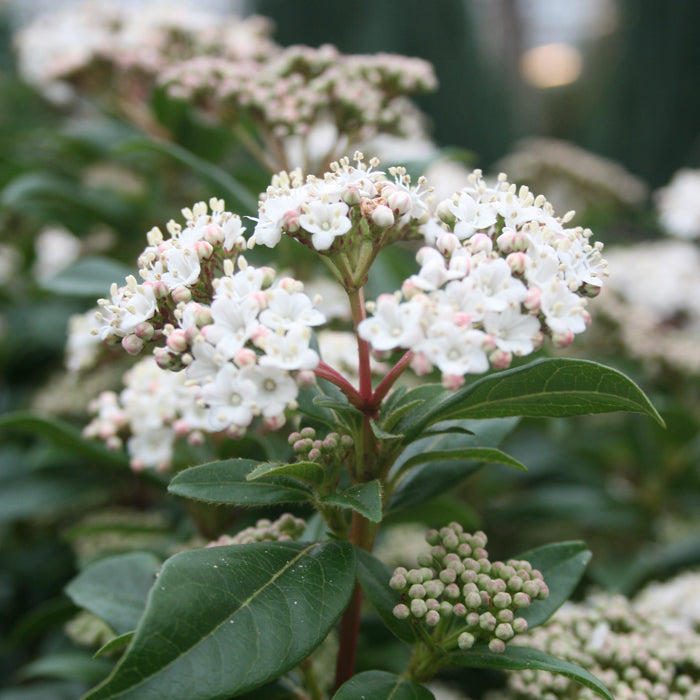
(562,340)
(401,612)
(497,646)
(137,465)
(512,241)
(306,378)
(488,344)
(500,359)
(586,318)
(289,284)
(214,234)
(314,454)
(274,422)
(269,275)
(444,212)
(452,382)
(480,243)
(177,342)
(461,319)
(421,365)
(432,618)
(351,196)
(164,359)
(132,344)
(465,641)
(144,330)
(259,335)
(533,300)
(236,432)
(447,243)
(114,443)
(160,288)
(517,263)
(203,249)
(519,625)
(382,216)
(181,427)
(245,357)
(181,295)
(291,221)
(196,438)
(409,289)
(399,202)
(191,334)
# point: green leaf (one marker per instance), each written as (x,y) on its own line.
(547,387)
(425,481)
(480,454)
(226,482)
(309,472)
(366,499)
(64,435)
(69,665)
(517,658)
(87,277)
(115,588)
(562,564)
(374,577)
(115,644)
(236,195)
(382,434)
(223,620)
(381,685)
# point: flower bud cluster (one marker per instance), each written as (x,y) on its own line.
(109,46)
(501,273)
(154,410)
(286,528)
(333,449)
(243,335)
(337,212)
(463,595)
(627,646)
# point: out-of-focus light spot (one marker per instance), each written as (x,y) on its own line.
(551,65)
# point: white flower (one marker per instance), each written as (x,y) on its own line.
(290,350)
(182,266)
(268,229)
(230,398)
(679,204)
(83,346)
(206,363)
(512,331)
(288,310)
(471,215)
(275,389)
(151,448)
(234,323)
(325,221)
(453,349)
(563,310)
(393,324)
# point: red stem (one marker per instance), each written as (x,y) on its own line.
(325,371)
(388,381)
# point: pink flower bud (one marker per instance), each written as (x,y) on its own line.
(432,618)
(214,234)
(245,357)
(177,342)
(351,196)
(409,289)
(382,216)
(452,382)
(306,378)
(181,295)
(519,625)
(465,641)
(480,243)
(132,344)
(500,359)
(203,249)
(421,365)
(274,422)
(447,243)
(314,454)
(562,340)
(399,202)
(517,262)
(164,359)
(533,300)
(497,646)
(462,319)
(236,432)
(181,427)
(145,331)
(196,438)
(289,284)
(259,335)
(291,221)
(160,288)
(488,344)
(401,612)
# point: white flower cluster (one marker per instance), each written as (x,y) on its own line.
(239,331)
(88,41)
(625,644)
(155,409)
(504,274)
(653,300)
(678,204)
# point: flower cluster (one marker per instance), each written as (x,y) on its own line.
(624,644)
(464,596)
(678,204)
(285,529)
(294,91)
(572,176)
(239,332)
(106,46)
(656,315)
(155,409)
(500,273)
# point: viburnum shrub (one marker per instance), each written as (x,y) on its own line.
(236,351)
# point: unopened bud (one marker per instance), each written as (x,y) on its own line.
(144,330)
(418,607)
(465,641)
(452,382)
(497,646)
(432,617)
(562,340)
(399,201)
(181,295)
(401,612)
(447,243)
(519,625)
(203,249)
(132,344)
(351,195)
(533,300)
(177,342)
(480,243)
(444,212)
(500,359)
(517,263)
(382,216)
(214,234)
(291,221)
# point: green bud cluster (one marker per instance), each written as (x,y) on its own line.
(285,529)
(332,449)
(633,650)
(462,595)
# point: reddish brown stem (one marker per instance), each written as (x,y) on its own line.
(325,371)
(388,381)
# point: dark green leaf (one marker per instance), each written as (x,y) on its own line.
(517,658)
(382,434)
(87,277)
(64,435)
(75,665)
(547,387)
(374,577)
(430,479)
(381,685)
(480,454)
(366,499)
(115,644)
(226,482)
(309,472)
(223,620)
(237,196)
(115,588)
